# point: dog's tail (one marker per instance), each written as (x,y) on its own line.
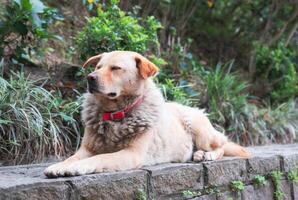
(232,149)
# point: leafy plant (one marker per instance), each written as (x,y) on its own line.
(33,122)
(22,26)
(275,124)
(190,194)
(259,181)
(113,29)
(276,66)
(176,93)
(212,189)
(141,194)
(293,175)
(237,186)
(276,177)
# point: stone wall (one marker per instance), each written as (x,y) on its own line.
(199,181)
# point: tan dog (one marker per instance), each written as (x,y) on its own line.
(128,124)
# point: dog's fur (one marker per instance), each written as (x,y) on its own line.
(153,132)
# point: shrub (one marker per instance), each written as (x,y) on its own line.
(22,26)
(176,93)
(33,122)
(112,29)
(278,124)
(223,94)
(276,66)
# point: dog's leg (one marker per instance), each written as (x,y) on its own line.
(58,168)
(129,158)
(216,144)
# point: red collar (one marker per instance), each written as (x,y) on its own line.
(118,115)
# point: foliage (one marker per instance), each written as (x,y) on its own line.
(190,194)
(141,194)
(176,93)
(237,186)
(275,124)
(23,25)
(276,66)
(293,175)
(33,122)
(225,94)
(276,177)
(212,189)
(112,29)
(259,181)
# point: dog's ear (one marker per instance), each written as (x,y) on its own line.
(146,68)
(92,60)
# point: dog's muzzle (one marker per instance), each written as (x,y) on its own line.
(92,83)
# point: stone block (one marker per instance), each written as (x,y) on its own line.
(172,178)
(119,185)
(290,162)
(263,192)
(262,165)
(206,197)
(285,187)
(228,195)
(37,191)
(295,190)
(224,171)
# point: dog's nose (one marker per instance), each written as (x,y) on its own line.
(92,82)
(91,78)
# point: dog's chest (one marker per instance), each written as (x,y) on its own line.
(110,136)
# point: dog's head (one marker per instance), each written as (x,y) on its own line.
(118,73)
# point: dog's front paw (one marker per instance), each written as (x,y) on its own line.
(199,156)
(79,168)
(72,169)
(55,170)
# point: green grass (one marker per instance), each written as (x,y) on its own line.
(259,181)
(33,122)
(237,186)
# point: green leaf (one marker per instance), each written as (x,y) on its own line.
(36,20)
(21,28)
(17,1)
(26,5)
(37,6)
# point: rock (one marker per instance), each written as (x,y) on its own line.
(119,185)
(206,197)
(290,162)
(165,181)
(285,187)
(295,190)
(27,182)
(262,165)
(263,192)
(224,171)
(229,196)
(172,178)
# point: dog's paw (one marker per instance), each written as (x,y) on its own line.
(55,170)
(79,168)
(72,169)
(203,156)
(209,156)
(199,156)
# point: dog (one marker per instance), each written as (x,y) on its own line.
(128,124)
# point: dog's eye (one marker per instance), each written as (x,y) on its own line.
(98,67)
(115,68)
